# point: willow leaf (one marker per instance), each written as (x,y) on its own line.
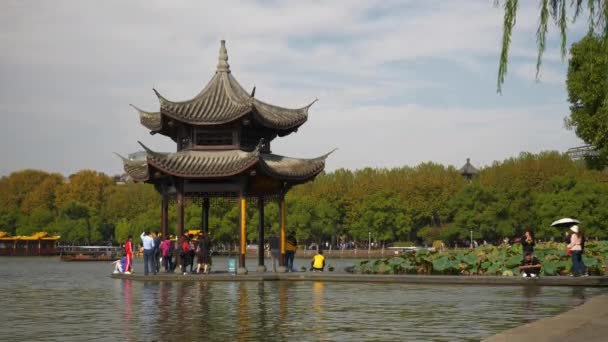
(541,34)
(508,24)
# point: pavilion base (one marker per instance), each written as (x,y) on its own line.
(261,269)
(241,270)
(282,269)
(592,281)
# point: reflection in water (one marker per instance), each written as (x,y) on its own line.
(318,293)
(127,325)
(244,322)
(530,302)
(578,296)
(42,303)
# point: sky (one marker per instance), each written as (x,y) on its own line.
(398,82)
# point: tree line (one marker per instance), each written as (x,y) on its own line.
(418,204)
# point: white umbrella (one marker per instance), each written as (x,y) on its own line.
(565,222)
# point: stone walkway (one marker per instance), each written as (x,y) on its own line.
(588,322)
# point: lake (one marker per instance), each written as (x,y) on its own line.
(44,299)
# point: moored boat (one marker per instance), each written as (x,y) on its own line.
(90,253)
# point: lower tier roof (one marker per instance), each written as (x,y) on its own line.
(222,164)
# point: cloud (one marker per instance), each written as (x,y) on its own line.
(548,75)
(398,81)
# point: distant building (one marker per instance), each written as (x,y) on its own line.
(468,170)
(580,152)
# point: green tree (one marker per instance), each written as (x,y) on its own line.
(384,216)
(587,93)
(39,220)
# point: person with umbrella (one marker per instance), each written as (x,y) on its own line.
(576,246)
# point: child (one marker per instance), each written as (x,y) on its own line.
(318,262)
(120,265)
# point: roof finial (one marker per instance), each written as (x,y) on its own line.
(222,64)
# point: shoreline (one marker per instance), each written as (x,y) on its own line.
(587,322)
(592,281)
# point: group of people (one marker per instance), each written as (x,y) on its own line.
(274,246)
(169,254)
(530,265)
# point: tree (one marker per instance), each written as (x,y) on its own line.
(587,93)
(16,187)
(90,188)
(43,195)
(39,220)
(557,10)
(383,215)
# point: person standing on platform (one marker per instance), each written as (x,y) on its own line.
(166,248)
(129,254)
(157,255)
(148,245)
(275,251)
(527,242)
(203,252)
(185,253)
(191,252)
(290,252)
(576,246)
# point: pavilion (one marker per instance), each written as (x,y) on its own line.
(223,137)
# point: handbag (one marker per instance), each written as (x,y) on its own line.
(569,251)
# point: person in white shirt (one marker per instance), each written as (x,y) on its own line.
(576,246)
(148,245)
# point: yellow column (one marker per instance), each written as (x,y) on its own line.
(243,231)
(282,205)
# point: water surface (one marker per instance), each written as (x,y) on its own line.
(44,299)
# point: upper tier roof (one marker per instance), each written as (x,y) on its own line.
(468,169)
(222,164)
(223,100)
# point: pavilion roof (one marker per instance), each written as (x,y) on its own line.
(223,100)
(223,164)
(468,169)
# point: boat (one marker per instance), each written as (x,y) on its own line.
(90,253)
(38,244)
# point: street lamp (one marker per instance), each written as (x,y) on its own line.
(471,238)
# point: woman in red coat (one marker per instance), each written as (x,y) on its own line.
(129,254)
(184,254)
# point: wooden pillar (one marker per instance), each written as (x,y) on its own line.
(205,218)
(243,227)
(164,212)
(282,228)
(261,232)
(180,211)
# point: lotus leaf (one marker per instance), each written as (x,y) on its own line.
(513,261)
(470,259)
(550,268)
(441,264)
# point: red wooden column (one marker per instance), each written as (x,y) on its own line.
(180,211)
(261,267)
(164,212)
(243,238)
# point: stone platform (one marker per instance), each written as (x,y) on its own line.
(367,278)
(588,322)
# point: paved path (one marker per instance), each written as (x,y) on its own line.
(366,278)
(588,322)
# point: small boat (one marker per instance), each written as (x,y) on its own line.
(90,253)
